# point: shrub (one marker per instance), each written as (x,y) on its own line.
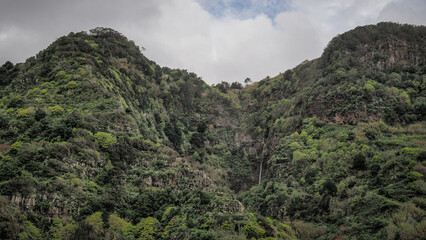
(310,175)
(148,228)
(413,176)
(30,232)
(32,92)
(71,85)
(254,230)
(329,188)
(15,147)
(202,235)
(56,110)
(175,228)
(39,114)
(404,98)
(359,162)
(369,87)
(407,223)
(412,151)
(309,230)
(105,140)
(22,113)
(119,228)
(95,221)
(60,231)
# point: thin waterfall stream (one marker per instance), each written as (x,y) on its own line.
(260,172)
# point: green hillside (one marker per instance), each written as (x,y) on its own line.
(99,142)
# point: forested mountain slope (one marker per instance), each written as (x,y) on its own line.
(344,135)
(91,126)
(99,142)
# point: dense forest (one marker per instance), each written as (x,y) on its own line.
(99,142)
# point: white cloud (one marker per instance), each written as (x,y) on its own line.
(181,34)
(405,11)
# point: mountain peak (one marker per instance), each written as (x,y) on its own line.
(377,40)
(97,140)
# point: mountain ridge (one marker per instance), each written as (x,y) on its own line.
(99,141)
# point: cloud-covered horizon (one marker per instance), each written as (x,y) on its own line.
(219,40)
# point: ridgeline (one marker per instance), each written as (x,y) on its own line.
(99,142)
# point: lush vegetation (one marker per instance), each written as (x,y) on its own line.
(98,142)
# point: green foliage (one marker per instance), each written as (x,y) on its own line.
(62,229)
(407,223)
(119,228)
(254,230)
(203,235)
(71,85)
(413,151)
(148,228)
(30,232)
(334,184)
(329,188)
(309,230)
(105,140)
(359,162)
(22,113)
(11,220)
(175,228)
(96,223)
(369,87)
(405,98)
(14,148)
(56,110)
(39,114)
(285,232)
(340,139)
(413,176)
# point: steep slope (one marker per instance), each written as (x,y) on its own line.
(97,141)
(369,73)
(92,132)
(345,138)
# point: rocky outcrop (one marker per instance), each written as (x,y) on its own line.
(50,204)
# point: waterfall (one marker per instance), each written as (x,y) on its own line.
(260,172)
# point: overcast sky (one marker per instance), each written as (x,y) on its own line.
(219,40)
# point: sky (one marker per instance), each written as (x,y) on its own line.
(219,40)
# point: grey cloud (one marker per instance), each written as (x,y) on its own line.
(412,12)
(37,23)
(181,34)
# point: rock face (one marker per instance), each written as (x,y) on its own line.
(228,206)
(4,147)
(393,51)
(51,204)
(361,73)
(194,180)
(24,203)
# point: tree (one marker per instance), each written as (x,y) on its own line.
(119,228)
(359,162)
(329,188)
(39,114)
(223,86)
(174,134)
(247,81)
(104,139)
(8,65)
(10,219)
(30,232)
(148,228)
(95,221)
(60,231)
(236,85)
(104,32)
